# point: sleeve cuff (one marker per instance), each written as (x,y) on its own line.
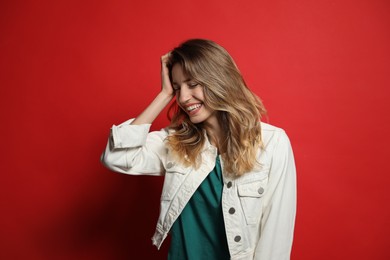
(126,135)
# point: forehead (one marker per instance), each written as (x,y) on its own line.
(178,74)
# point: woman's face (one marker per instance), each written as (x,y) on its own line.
(190,97)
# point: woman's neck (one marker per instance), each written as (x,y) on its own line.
(214,133)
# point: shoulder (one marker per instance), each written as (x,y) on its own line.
(270,132)
(272,135)
(269,128)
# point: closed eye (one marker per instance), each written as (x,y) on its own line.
(192,84)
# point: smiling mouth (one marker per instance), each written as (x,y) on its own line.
(193,109)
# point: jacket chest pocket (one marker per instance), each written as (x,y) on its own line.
(251,199)
(174,177)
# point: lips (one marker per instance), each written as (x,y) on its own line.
(193,108)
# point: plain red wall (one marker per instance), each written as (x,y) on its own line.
(71,69)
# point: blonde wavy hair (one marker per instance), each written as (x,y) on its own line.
(238,109)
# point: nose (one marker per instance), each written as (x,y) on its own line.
(184,94)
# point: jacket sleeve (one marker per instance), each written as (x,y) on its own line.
(132,149)
(277,224)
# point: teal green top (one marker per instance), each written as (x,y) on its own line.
(199,232)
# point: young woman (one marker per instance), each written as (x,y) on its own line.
(230,188)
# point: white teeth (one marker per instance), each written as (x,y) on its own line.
(190,108)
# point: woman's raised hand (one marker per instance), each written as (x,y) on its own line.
(165,81)
(162,99)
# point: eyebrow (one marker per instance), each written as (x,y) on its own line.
(174,82)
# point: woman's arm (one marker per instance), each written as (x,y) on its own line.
(277,224)
(131,148)
(162,99)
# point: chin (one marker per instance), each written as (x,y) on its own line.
(196,120)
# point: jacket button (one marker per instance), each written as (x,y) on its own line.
(232,210)
(260,190)
(169,165)
(237,238)
(229,184)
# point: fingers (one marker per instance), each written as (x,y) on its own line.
(166,83)
(165,56)
(165,59)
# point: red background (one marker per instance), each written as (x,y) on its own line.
(71,69)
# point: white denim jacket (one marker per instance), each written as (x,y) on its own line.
(258,208)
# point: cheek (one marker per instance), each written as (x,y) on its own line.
(199,93)
(178,104)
